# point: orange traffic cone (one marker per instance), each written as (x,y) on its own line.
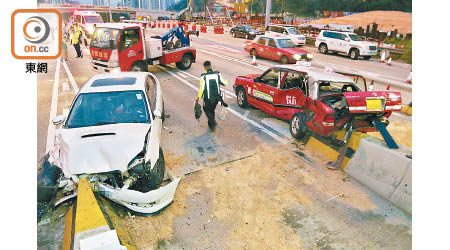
(389,61)
(388,87)
(254,60)
(409,80)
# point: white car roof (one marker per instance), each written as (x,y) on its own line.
(110,82)
(116,25)
(317,74)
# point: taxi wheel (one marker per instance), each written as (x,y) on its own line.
(284,60)
(241,98)
(297,125)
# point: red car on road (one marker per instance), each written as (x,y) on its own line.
(315,99)
(273,48)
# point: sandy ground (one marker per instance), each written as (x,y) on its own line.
(400,131)
(386,20)
(271,200)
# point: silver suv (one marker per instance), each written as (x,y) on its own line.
(346,42)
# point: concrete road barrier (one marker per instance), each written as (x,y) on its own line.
(386,171)
(86,227)
(333,154)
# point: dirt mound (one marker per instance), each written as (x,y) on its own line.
(386,20)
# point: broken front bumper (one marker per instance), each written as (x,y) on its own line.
(145,203)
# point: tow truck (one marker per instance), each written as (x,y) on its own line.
(117,47)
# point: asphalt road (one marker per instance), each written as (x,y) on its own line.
(253,190)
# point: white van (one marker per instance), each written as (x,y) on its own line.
(87,19)
(349,43)
(286,31)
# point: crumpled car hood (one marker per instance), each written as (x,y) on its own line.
(100,149)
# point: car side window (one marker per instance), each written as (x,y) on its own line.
(150,88)
(272,43)
(271,78)
(128,38)
(262,41)
(295,80)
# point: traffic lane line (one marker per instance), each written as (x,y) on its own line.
(71,79)
(255,124)
(53,108)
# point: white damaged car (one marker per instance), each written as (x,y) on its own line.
(111,137)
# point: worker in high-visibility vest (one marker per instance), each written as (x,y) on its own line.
(210,92)
(75,41)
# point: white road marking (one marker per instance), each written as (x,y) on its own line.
(262,128)
(65,86)
(71,79)
(182,75)
(53,109)
(246,113)
(223,48)
(278,126)
(247,63)
(198,78)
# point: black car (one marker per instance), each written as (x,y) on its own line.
(245,31)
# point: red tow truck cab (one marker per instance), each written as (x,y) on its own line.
(119,47)
(316,99)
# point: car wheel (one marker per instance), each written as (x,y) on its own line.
(177,44)
(297,125)
(154,177)
(284,60)
(139,66)
(234,34)
(253,53)
(366,57)
(247,36)
(170,45)
(185,62)
(241,97)
(354,54)
(323,48)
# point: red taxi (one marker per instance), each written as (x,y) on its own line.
(278,49)
(315,99)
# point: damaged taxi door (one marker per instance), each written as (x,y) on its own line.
(292,95)
(265,89)
(154,96)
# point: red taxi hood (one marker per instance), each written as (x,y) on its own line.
(356,101)
(293,51)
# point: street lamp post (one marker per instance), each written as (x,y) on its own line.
(268,10)
(109,8)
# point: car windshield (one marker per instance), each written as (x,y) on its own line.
(104,38)
(285,43)
(355,37)
(247,27)
(292,31)
(326,87)
(93,19)
(94,109)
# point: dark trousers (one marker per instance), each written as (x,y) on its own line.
(210,112)
(77,49)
